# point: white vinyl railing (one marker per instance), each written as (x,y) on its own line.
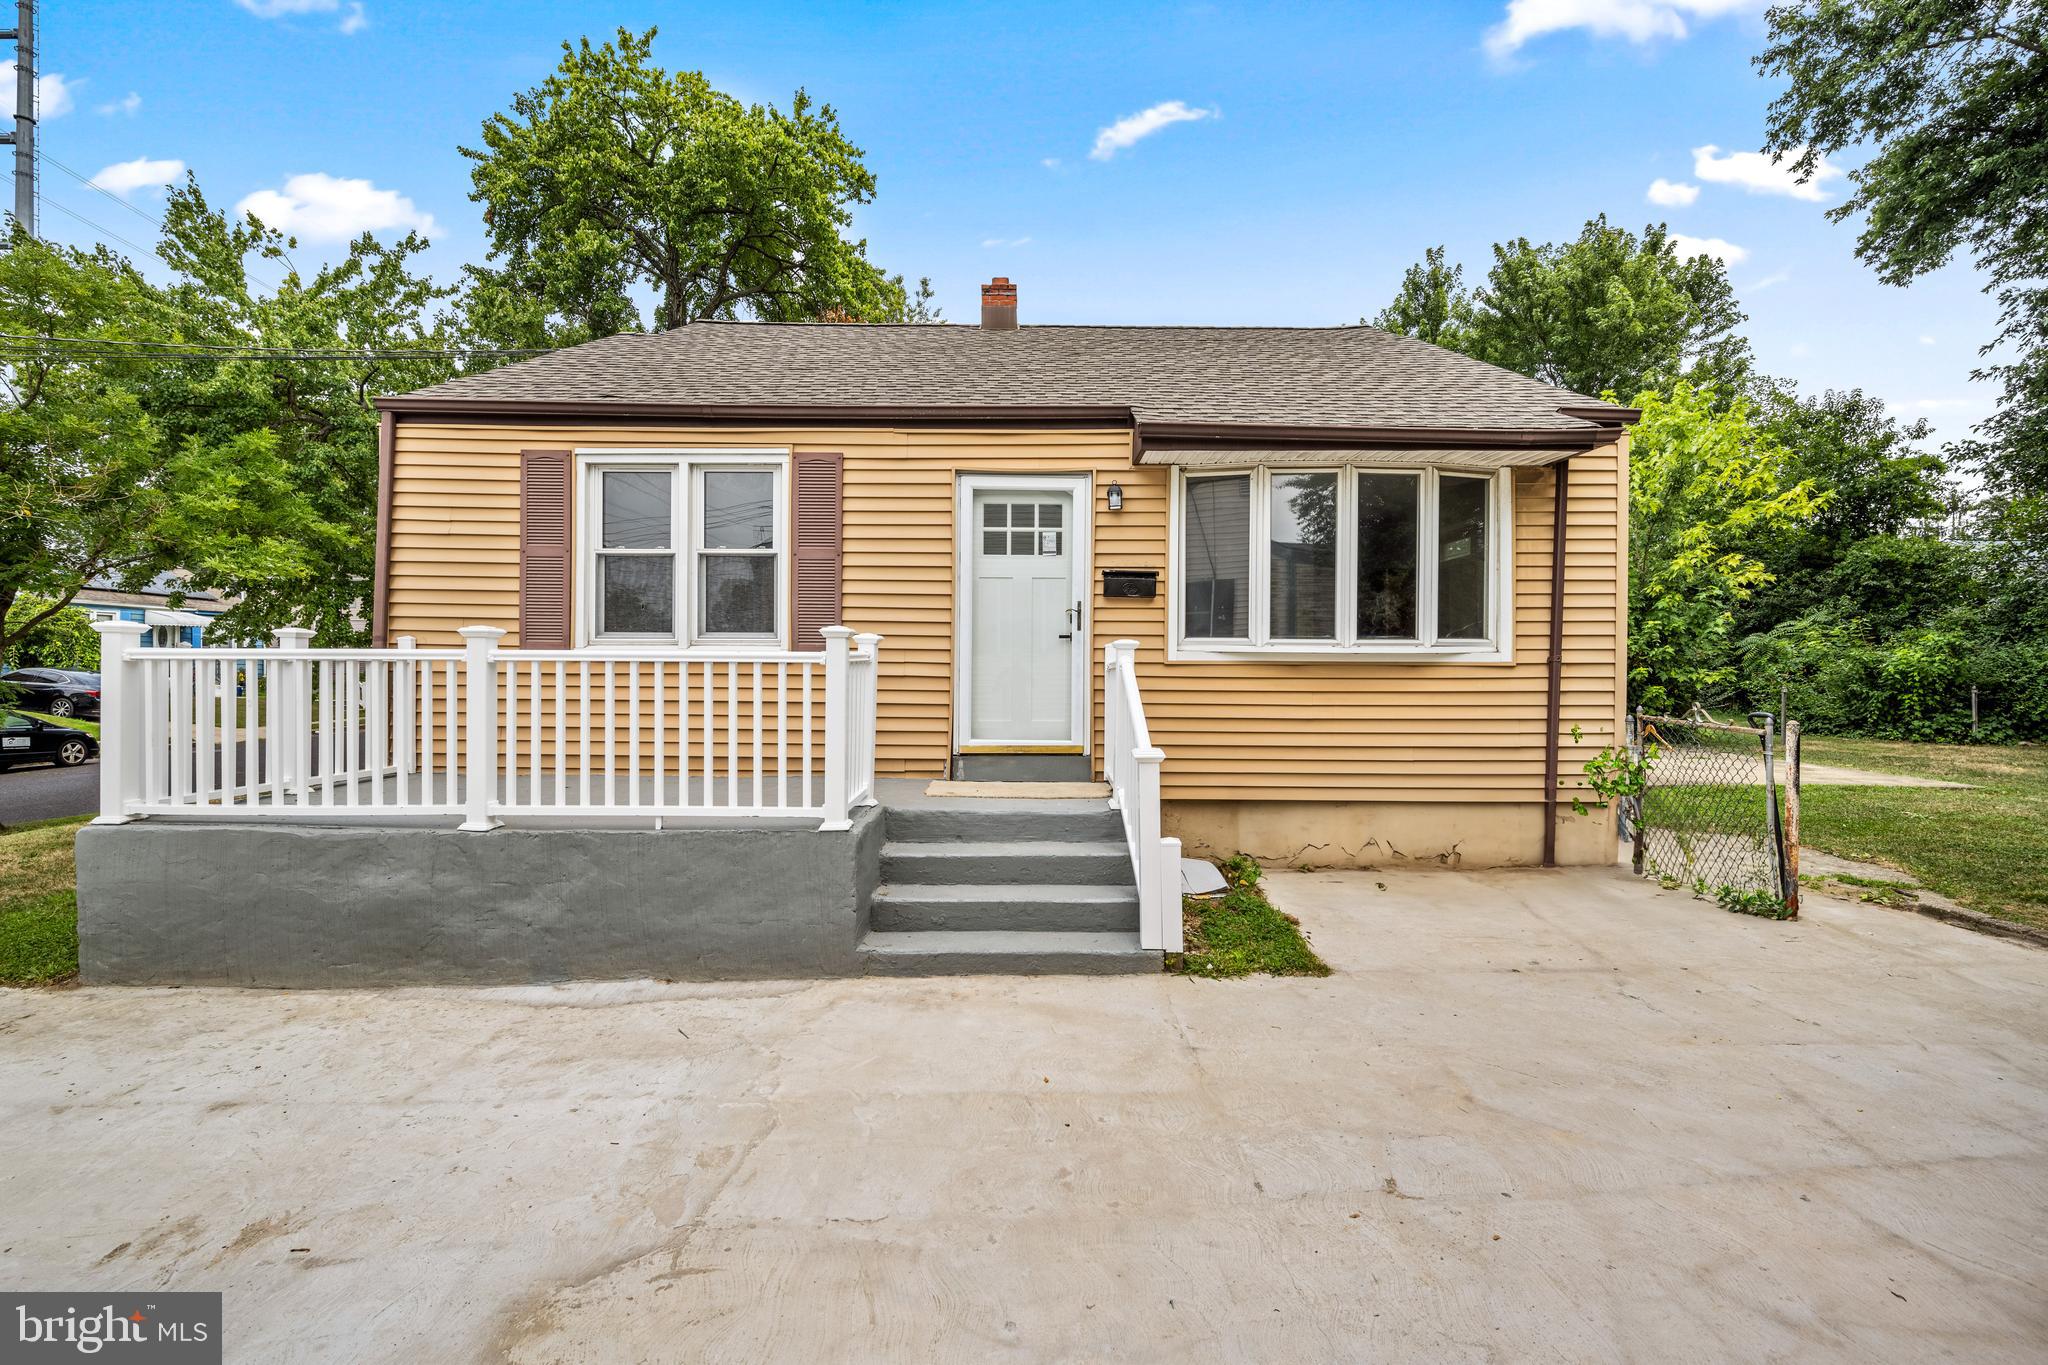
(290,732)
(1132,766)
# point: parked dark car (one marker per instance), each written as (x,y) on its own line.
(26,740)
(53,691)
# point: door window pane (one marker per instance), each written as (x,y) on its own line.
(1461,559)
(1302,571)
(1216,551)
(739,509)
(1388,521)
(636,594)
(737,594)
(636,509)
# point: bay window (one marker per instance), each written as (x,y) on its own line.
(684,549)
(1347,560)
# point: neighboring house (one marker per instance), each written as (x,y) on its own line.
(1348,651)
(694,622)
(184,624)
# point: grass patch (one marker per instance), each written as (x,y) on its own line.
(91,727)
(1242,933)
(39,903)
(1985,847)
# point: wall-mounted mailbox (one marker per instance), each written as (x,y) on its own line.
(1130,583)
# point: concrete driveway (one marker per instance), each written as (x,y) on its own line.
(1555,1116)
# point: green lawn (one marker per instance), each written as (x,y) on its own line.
(39,906)
(1242,933)
(91,727)
(1986,847)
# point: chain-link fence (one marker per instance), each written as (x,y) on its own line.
(1710,816)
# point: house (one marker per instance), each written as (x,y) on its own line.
(1327,596)
(183,624)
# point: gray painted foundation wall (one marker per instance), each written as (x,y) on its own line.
(269,905)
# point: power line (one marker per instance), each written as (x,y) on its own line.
(96,227)
(144,214)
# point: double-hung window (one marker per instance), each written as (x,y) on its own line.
(1352,560)
(685,549)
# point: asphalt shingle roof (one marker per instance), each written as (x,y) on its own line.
(1250,376)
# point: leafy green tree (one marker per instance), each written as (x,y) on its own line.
(1433,304)
(84,466)
(1950,100)
(614,174)
(1609,312)
(61,639)
(1704,481)
(275,449)
(1883,491)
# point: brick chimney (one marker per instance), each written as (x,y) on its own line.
(999,305)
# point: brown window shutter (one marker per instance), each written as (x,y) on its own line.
(820,544)
(544,549)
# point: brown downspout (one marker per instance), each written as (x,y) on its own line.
(380,589)
(1554,708)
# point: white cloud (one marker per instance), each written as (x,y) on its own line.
(1051,163)
(1725,252)
(127,104)
(1758,174)
(1926,341)
(1005,241)
(1639,21)
(353,20)
(1670,193)
(1127,131)
(124,177)
(1776,277)
(56,95)
(322,207)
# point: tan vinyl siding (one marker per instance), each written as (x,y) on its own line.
(1247,729)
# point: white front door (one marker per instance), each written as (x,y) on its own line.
(1024,609)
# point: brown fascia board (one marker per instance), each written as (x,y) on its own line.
(1227,436)
(807,414)
(1604,414)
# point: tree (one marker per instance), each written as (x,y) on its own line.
(1433,304)
(1951,96)
(1704,481)
(84,467)
(614,174)
(1882,490)
(63,639)
(1609,312)
(274,451)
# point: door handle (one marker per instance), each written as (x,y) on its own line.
(1073,615)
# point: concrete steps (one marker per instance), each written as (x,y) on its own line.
(1007,952)
(1004,886)
(1053,909)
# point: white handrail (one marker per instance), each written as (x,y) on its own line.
(1131,764)
(289,732)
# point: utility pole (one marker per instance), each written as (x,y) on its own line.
(24,135)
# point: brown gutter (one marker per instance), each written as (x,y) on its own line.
(1554,707)
(1227,434)
(380,591)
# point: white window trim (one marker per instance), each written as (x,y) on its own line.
(1497,648)
(685,465)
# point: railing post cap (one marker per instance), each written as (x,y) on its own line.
(1128,646)
(136,628)
(482,632)
(836,632)
(1149,755)
(295,632)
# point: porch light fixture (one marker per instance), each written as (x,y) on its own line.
(1116,496)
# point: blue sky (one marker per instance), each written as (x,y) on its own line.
(1294,161)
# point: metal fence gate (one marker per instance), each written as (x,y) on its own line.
(1714,815)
